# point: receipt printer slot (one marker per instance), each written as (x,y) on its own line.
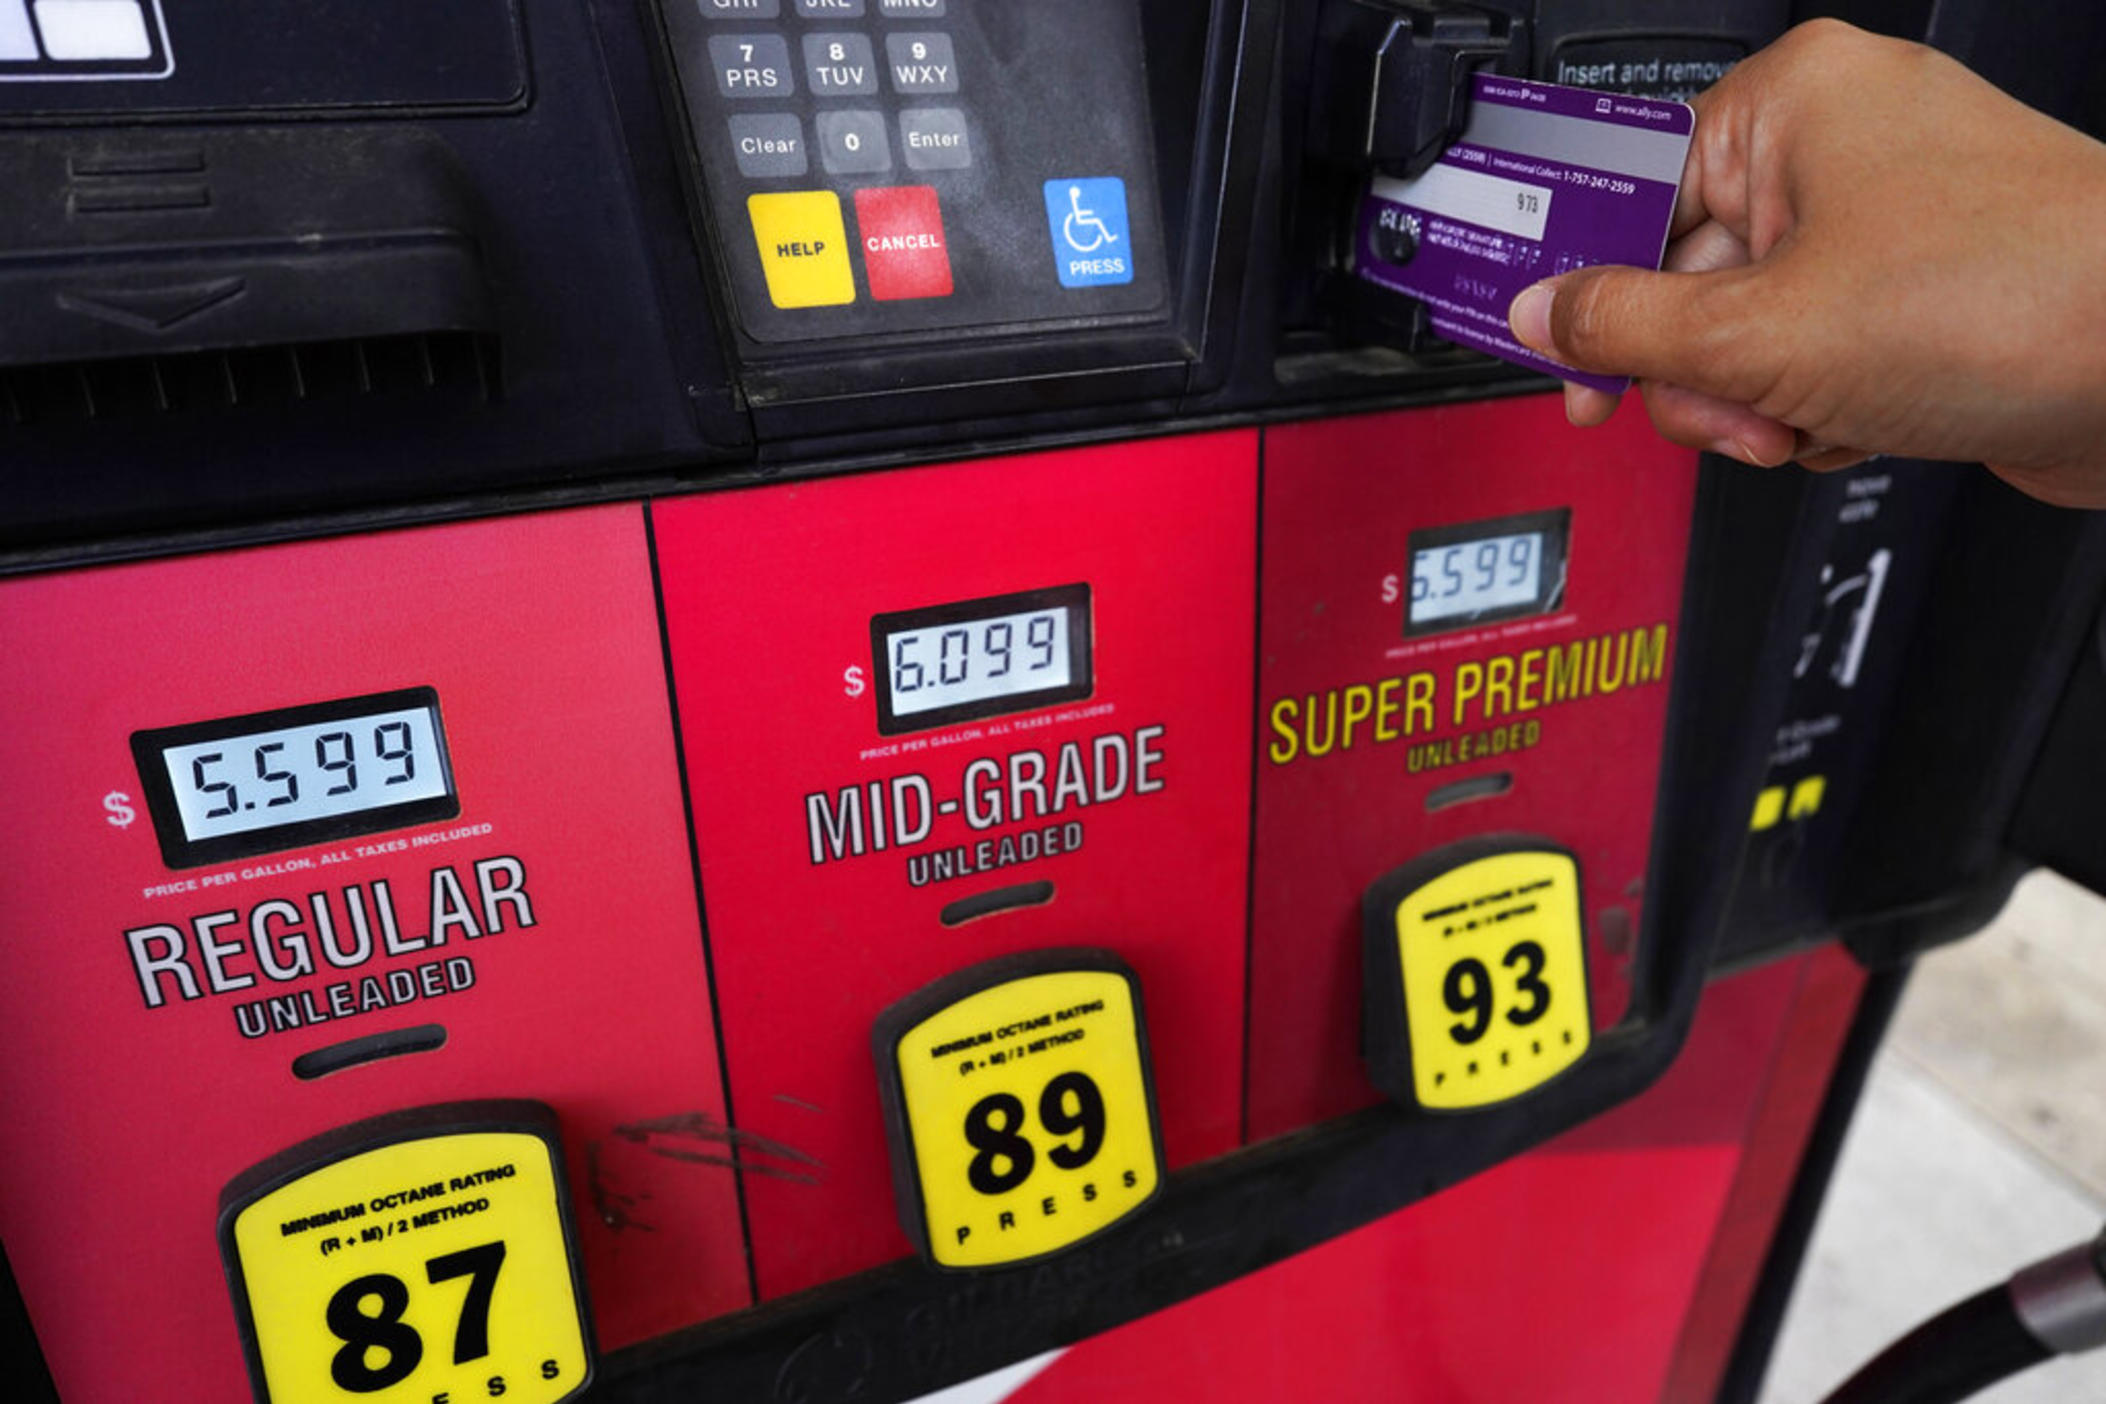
(162,244)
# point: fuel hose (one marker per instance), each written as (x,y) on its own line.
(2055,1307)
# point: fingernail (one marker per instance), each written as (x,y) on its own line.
(1529,317)
(1738,450)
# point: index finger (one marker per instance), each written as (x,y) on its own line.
(1690,209)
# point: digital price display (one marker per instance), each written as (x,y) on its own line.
(1476,973)
(240,786)
(1020,1107)
(424,1255)
(979,658)
(1482,572)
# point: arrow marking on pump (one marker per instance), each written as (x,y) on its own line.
(153,309)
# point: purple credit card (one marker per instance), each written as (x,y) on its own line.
(1545,179)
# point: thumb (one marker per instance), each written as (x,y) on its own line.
(1689,329)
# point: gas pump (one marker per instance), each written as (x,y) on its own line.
(794,700)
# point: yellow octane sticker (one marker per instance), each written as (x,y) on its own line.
(433,1271)
(1030,1116)
(1495,978)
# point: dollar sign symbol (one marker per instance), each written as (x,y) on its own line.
(121,812)
(853,680)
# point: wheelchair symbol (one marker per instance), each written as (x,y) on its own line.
(1089,229)
(1081,219)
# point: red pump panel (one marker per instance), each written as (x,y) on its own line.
(1556,712)
(134,1093)
(1581,1273)
(831,850)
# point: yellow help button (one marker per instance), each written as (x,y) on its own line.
(1020,1107)
(803,248)
(1476,970)
(426,1257)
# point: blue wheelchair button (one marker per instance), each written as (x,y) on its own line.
(1092,244)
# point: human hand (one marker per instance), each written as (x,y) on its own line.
(1873,251)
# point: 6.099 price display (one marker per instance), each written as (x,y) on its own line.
(411,1259)
(1020,1107)
(977,658)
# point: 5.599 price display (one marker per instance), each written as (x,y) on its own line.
(1020,1107)
(424,1257)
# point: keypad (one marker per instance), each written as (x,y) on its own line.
(807,55)
(917,138)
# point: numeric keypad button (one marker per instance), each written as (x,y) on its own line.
(854,143)
(839,65)
(921,63)
(752,65)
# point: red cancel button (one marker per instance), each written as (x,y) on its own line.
(903,245)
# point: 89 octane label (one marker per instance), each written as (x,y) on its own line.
(435,1270)
(1022,1111)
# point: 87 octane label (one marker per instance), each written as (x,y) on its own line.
(435,1270)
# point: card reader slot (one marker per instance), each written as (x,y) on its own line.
(1389,93)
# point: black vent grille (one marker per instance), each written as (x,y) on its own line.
(459,367)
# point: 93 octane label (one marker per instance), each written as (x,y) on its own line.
(1495,977)
(1029,1118)
(435,1270)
